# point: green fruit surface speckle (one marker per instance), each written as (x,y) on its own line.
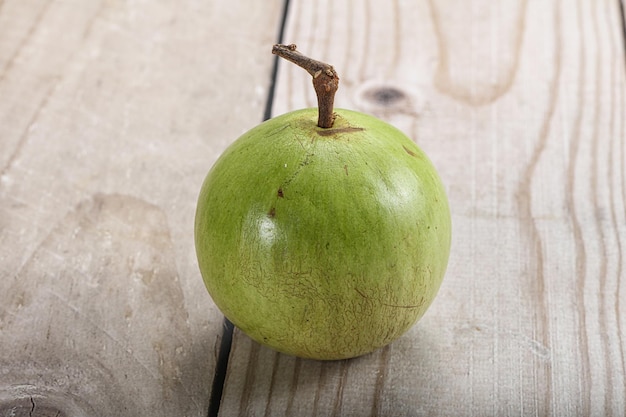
(323,243)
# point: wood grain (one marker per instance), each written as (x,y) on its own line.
(111,113)
(521,105)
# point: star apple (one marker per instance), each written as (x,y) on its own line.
(323,242)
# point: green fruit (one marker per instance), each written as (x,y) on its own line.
(323,243)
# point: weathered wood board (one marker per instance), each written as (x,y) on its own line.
(522,107)
(111,113)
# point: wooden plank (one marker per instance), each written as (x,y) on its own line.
(111,113)
(521,107)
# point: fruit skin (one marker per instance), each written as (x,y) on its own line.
(323,243)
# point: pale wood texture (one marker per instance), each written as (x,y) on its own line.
(521,105)
(111,113)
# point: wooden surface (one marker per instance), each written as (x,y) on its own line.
(521,105)
(111,113)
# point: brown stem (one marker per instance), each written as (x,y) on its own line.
(325,81)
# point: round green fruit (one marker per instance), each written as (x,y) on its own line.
(323,243)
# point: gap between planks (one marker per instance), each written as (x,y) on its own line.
(221,368)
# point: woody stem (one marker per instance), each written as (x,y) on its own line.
(325,81)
